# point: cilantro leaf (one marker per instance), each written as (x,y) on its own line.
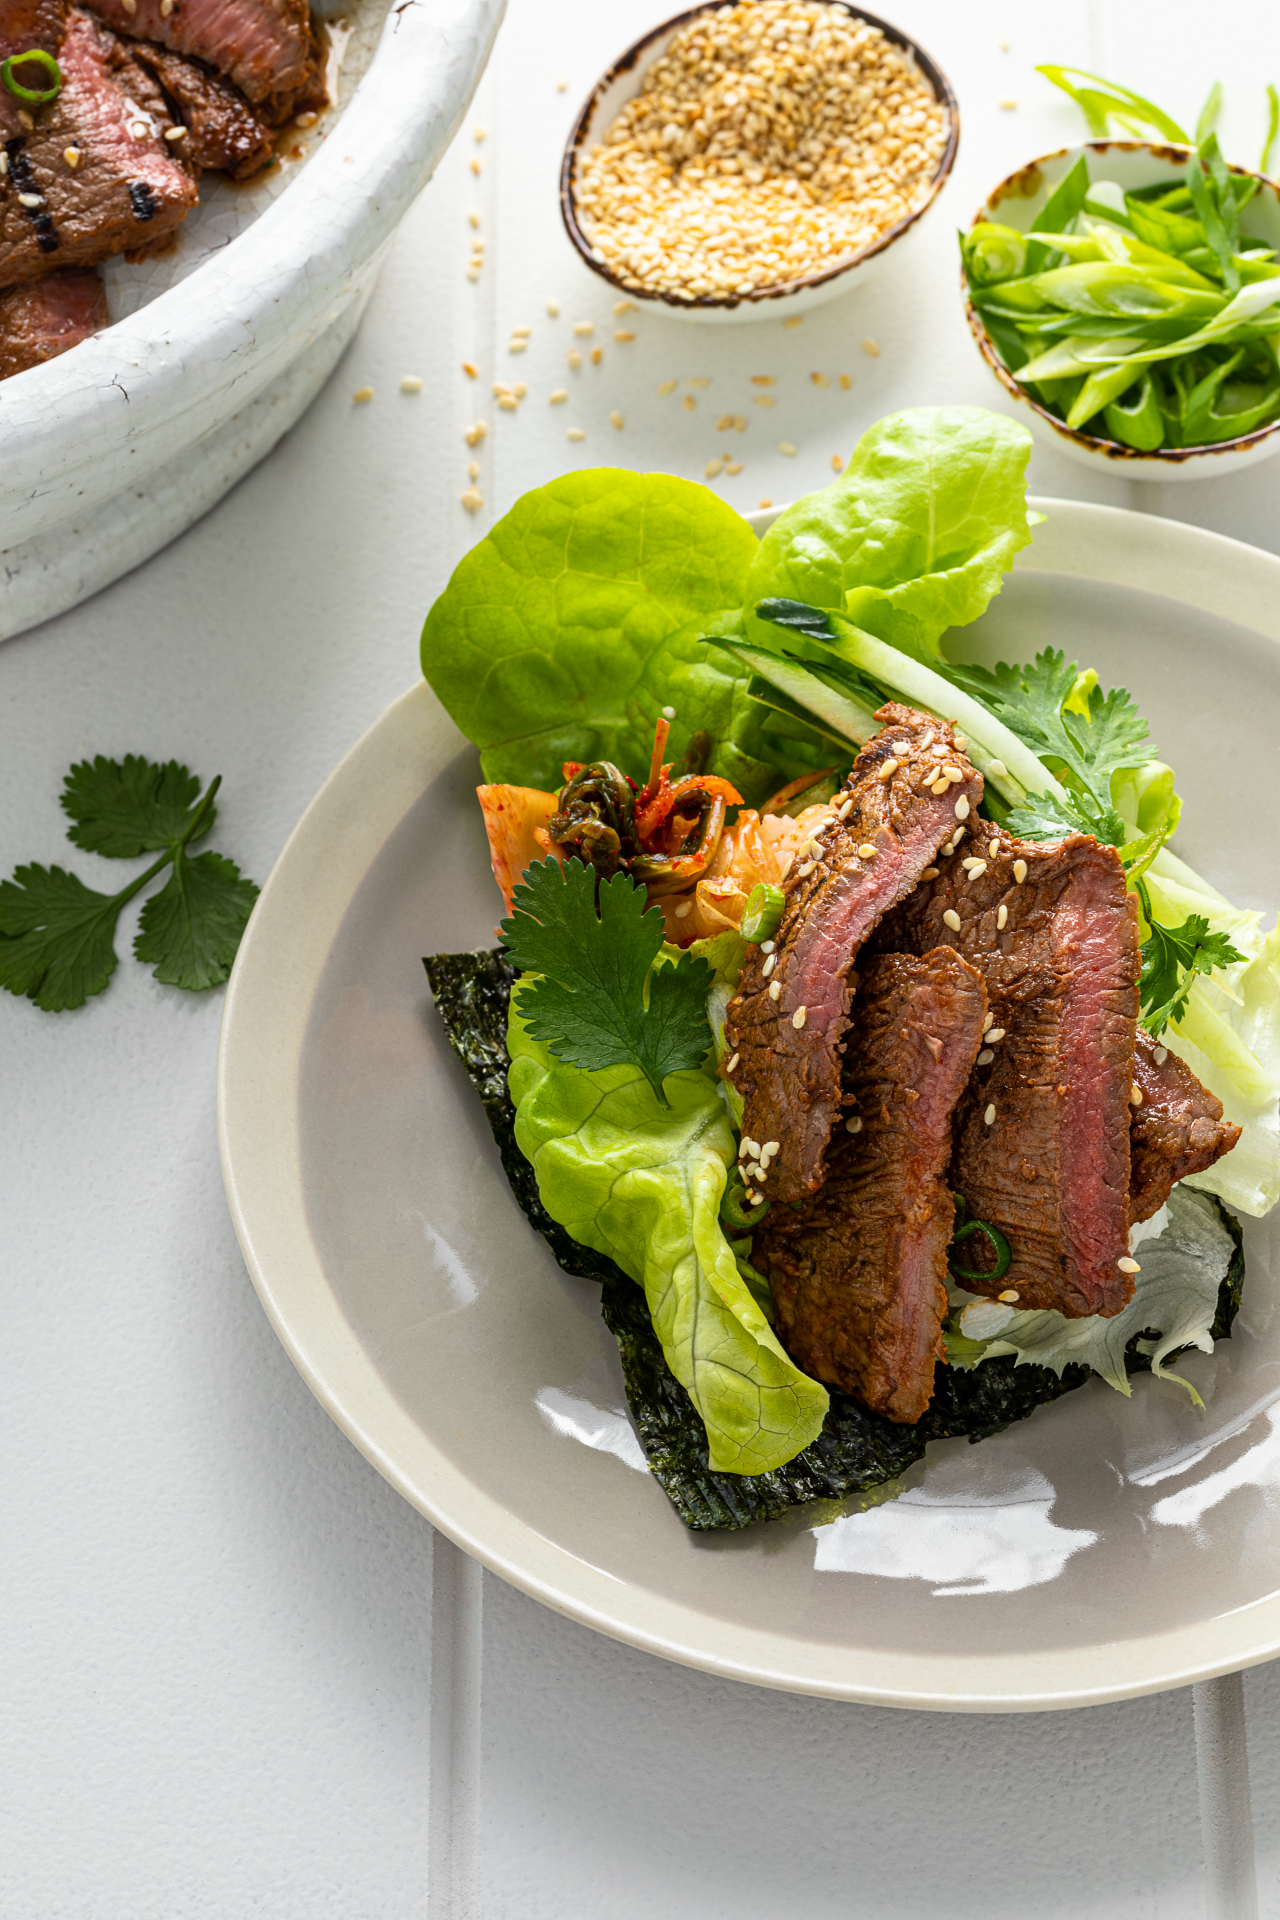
(1085,749)
(189,931)
(1171,959)
(56,937)
(122,808)
(589,1006)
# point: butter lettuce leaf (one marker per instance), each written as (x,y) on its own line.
(914,537)
(642,1184)
(564,632)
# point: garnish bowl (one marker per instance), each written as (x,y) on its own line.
(1016,202)
(622,82)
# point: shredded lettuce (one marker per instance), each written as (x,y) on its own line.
(1175,1297)
(643,1183)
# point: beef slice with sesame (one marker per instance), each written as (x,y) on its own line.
(94,175)
(48,317)
(24,26)
(1177,1128)
(858,1270)
(1042,1134)
(906,794)
(264,46)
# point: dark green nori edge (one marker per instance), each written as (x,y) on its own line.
(857,1450)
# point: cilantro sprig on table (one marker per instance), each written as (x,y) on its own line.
(1084,749)
(57,936)
(600,1000)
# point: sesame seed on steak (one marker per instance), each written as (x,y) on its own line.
(1176,1129)
(858,1270)
(788,1019)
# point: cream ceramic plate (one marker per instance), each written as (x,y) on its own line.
(1102,1549)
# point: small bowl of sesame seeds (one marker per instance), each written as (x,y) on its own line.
(755,152)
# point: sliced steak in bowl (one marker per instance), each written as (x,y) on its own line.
(221,130)
(1042,1135)
(858,1270)
(95,177)
(1177,1128)
(24,25)
(264,46)
(787,1022)
(49,316)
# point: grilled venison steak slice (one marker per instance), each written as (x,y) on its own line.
(1051,1166)
(46,317)
(127,192)
(1177,1129)
(25,24)
(858,1270)
(264,46)
(222,131)
(788,1019)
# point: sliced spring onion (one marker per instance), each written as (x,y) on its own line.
(35,57)
(998,1244)
(762,912)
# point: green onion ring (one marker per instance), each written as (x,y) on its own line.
(734,1212)
(999,1246)
(35,57)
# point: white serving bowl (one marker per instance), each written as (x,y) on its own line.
(118,446)
(622,83)
(1016,202)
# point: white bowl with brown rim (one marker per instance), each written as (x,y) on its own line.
(623,82)
(1017,202)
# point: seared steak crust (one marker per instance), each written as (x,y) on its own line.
(1177,1129)
(263,45)
(787,1022)
(223,132)
(126,192)
(40,321)
(24,25)
(1050,1167)
(858,1270)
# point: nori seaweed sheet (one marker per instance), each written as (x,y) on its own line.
(857,1450)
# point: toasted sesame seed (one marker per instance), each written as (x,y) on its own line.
(962,808)
(685,908)
(560,394)
(473,470)
(837,463)
(561,84)
(478,133)
(698,380)
(1135,1095)
(469,368)
(997,769)
(72,154)
(775,988)
(688,402)
(985,1057)
(951,919)
(957,836)
(767,946)
(507,403)
(870,347)
(1002,918)
(960,741)
(597,355)
(764,380)
(810,850)
(622,335)
(854,1125)
(996,1034)
(930,873)
(1126,1265)
(37,200)
(733,466)
(765,502)
(574,358)
(842,811)
(978,868)
(713,468)
(1008,106)
(846,381)
(751,1146)
(937,753)
(517,346)
(888,770)
(575,433)
(1161,1055)
(799,1016)
(939,786)
(616,420)
(755,1199)
(866,851)
(475,165)
(764,399)
(988,1021)
(668,386)
(521,333)
(474,435)
(174,135)
(584,327)
(4,163)
(993,848)
(733,1064)
(971,861)
(989,1117)
(361,395)
(473,499)
(789,448)
(820,379)
(1009,1295)
(770,964)
(952,773)
(1019,871)
(796,320)
(668,713)
(803,872)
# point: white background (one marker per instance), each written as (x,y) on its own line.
(217,1627)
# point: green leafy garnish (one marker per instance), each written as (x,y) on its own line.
(1171,959)
(1083,749)
(57,936)
(600,1001)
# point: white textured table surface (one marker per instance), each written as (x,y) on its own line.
(223,1692)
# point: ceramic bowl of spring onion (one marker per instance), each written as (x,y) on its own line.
(1127,296)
